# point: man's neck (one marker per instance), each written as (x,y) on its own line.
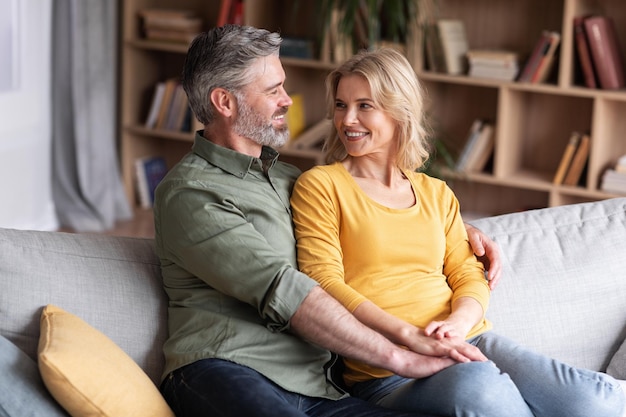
(228,139)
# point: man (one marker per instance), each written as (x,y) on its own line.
(249,335)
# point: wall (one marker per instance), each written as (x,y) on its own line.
(25,189)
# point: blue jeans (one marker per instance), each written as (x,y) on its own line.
(515,382)
(218,388)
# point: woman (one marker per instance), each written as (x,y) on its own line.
(390,244)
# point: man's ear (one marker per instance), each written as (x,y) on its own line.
(223,101)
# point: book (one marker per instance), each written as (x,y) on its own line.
(548,58)
(605,51)
(314,136)
(579,160)
(166,103)
(295,116)
(495,64)
(170,25)
(155,105)
(454,44)
(566,159)
(470,142)
(149,172)
(583,55)
(224,13)
(481,150)
(170,35)
(534,59)
(613,181)
(166,13)
(176,111)
(434,51)
(183,24)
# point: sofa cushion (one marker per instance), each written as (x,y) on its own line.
(563,286)
(91,376)
(617,366)
(22,392)
(113,283)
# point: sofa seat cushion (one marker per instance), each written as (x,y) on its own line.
(22,392)
(91,376)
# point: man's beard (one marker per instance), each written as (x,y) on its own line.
(251,124)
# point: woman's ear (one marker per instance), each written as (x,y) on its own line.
(223,101)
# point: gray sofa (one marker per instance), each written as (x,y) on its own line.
(563,291)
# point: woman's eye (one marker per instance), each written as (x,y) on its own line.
(339,105)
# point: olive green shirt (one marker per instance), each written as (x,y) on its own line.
(225,239)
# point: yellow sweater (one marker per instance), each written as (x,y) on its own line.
(411,262)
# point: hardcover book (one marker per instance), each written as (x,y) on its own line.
(605,51)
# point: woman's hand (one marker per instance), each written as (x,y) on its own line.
(487,252)
(451,347)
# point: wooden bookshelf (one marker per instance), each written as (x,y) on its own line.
(533,122)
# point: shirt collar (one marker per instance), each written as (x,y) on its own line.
(233,162)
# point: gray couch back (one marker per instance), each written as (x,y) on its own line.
(563,290)
(112,283)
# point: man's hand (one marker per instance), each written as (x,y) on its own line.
(449,347)
(487,252)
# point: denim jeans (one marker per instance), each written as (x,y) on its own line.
(218,388)
(515,382)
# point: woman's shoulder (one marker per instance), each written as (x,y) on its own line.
(325,173)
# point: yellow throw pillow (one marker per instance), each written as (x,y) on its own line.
(89,375)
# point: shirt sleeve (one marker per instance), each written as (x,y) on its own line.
(316,221)
(206,235)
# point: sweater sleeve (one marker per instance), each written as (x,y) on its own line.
(465,274)
(316,214)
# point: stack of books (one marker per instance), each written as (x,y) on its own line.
(494,64)
(614,180)
(170,25)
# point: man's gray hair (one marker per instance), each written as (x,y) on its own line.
(221,58)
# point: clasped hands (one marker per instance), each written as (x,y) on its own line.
(442,339)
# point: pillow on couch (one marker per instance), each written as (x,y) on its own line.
(617,366)
(89,375)
(22,392)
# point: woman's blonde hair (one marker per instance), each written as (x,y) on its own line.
(396,89)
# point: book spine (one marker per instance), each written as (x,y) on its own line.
(605,51)
(470,142)
(547,60)
(535,57)
(578,161)
(566,159)
(584,56)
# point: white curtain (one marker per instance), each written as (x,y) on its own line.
(26,201)
(87,187)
